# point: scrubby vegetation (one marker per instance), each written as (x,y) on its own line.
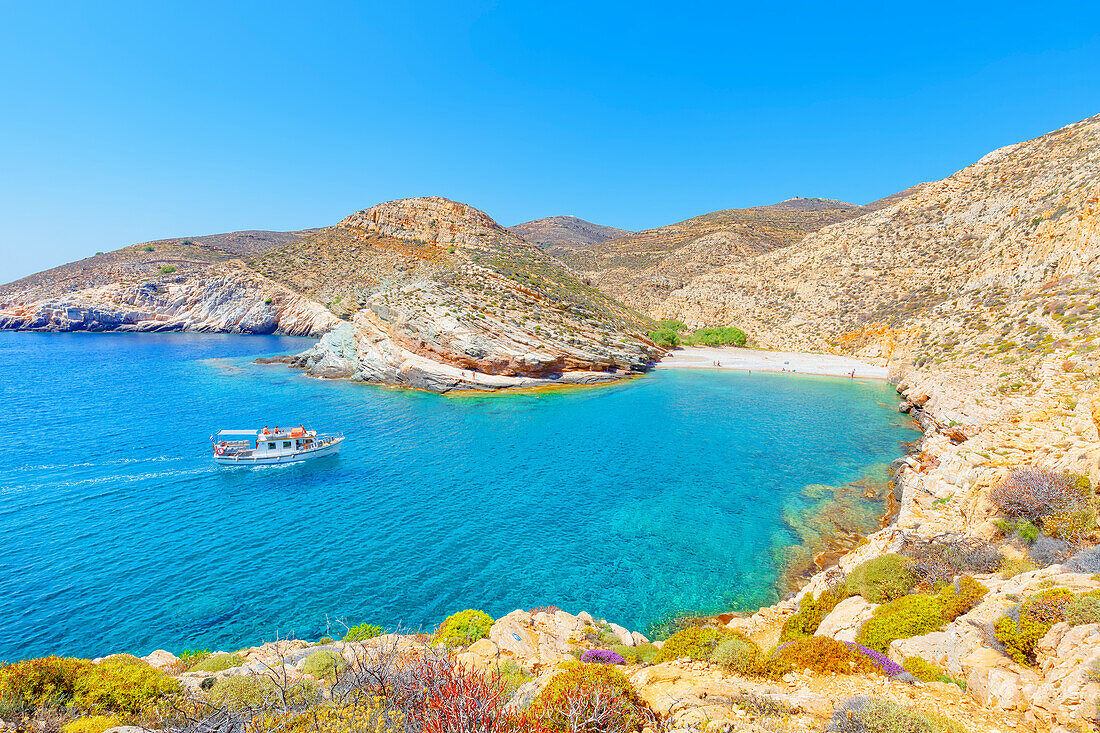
(640,654)
(121,684)
(1021,631)
(819,654)
(91,724)
(722,336)
(919,613)
(695,642)
(941,559)
(882,579)
(464,628)
(672,333)
(1013,566)
(323,665)
(362,632)
(217,662)
(167,269)
(739,655)
(925,671)
(665,338)
(1061,506)
(875,715)
(588,692)
(811,612)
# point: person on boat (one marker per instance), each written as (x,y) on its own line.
(266,431)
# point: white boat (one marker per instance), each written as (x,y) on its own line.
(265,447)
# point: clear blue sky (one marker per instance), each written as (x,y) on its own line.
(123,122)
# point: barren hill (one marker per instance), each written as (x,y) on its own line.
(642,269)
(563,234)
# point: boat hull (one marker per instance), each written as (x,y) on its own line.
(269,460)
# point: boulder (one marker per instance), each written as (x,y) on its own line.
(160,659)
(1068,694)
(536,642)
(482,655)
(622,633)
(844,620)
(996,681)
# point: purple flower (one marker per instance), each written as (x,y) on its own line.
(602,656)
(888,667)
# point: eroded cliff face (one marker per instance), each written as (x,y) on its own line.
(223,299)
(444,298)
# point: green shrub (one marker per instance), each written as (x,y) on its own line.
(45,682)
(190,657)
(886,716)
(147,248)
(923,670)
(900,619)
(362,632)
(722,336)
(1028,532)
(641,654)
(588,691)
(926,671)
(464,628)
(244,692)
(961,597)
(811,612)
(122,686)
(1037,614)
(740,655)
(818,654)
(882,579)
(218,663)
(513,675)
(696,642)
(672,325)
(1083,609)
(323,665)
(167,270)
(323,641)
(1011,567)
(91,724)
(665,337)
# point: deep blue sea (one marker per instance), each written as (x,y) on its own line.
(636,501)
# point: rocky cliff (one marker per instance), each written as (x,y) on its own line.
(426,293)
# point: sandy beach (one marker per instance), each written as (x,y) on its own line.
(729,357)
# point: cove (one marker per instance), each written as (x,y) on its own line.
(668,494)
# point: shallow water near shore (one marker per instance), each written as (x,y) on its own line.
(635,501)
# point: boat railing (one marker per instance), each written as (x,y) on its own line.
(324,439)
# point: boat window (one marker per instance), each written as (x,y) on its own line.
(286,443)
(271,445)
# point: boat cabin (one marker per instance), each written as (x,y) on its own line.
(261,443)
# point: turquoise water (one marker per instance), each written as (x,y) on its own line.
(633,501)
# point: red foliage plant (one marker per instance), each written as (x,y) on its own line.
(441,696)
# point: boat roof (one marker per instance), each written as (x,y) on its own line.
(238,432)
